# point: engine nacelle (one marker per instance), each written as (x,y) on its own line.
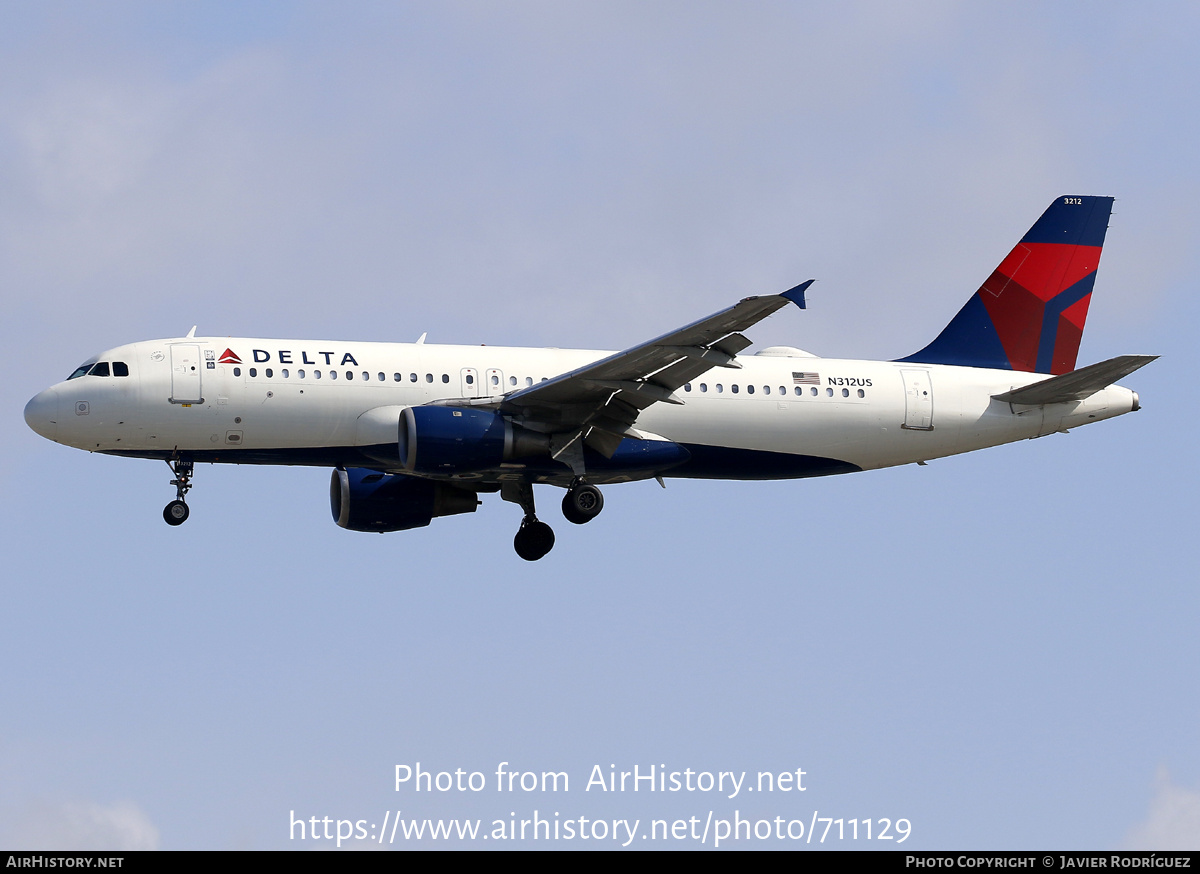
(443,440)
(366,500)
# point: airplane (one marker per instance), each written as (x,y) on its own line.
(415,431)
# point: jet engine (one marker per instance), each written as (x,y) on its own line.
(366,500)
(442,440)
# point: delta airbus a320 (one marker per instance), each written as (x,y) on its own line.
(416,430)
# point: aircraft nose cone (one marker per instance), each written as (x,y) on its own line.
(41,413)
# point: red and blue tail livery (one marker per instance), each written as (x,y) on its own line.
(1029,314)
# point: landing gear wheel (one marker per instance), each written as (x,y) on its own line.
(582,503)
(176,513)
(534,539)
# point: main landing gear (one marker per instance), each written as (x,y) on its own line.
(535,538)
(582,503)
(176,512)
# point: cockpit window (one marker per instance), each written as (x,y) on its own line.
(100,369)
(81,370)
(120,368)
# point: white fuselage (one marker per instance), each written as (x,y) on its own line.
(315,402)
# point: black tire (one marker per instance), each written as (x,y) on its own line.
(533,540)
(176,513)
(582,504)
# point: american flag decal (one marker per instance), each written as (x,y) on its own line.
(806,378)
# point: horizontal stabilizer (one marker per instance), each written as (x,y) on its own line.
(1078,384)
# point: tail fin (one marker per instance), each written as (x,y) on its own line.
(1030,313)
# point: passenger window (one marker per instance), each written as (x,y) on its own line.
(529,380)
(512,380)
(733,388)
(284,373)
(749,389)
(829,392)
(254,371)
(300,374)
(269,373)
(100,369)
(237,371)
(333,374)
(470,379)
(845,392)
(783,390)
(720,388)
(445,377)
(395,376)
(429,377)
(495,379)
(316,374)
(814,391)
(861,393)
(120,368)
(349,374)
(703,387)
(687,387)
(412,377)
(799,391)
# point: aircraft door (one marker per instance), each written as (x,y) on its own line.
(185,374)
(494,383)
(471,386)
(918,400)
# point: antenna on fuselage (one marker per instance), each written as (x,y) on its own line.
(421,339)
(191,335)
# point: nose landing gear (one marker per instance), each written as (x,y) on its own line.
(177,512)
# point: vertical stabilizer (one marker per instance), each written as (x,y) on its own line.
(1029,314)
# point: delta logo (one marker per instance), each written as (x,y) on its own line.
(229,357)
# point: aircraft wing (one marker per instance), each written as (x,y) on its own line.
(1078,384)
(601,400)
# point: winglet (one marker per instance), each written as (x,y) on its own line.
(796,295)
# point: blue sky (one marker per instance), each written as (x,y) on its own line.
(999,647)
